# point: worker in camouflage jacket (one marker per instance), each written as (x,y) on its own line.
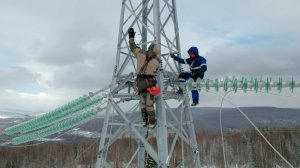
(148,65)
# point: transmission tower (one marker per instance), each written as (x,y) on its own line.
(155,21)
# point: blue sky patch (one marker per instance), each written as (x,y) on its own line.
(28,88)
(250,39)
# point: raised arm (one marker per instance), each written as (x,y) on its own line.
(180,60)
(133,47)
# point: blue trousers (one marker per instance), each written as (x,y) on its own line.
(185,76)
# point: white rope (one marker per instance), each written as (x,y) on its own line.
(260,133)
(181,132)
(279,154)
(221,128)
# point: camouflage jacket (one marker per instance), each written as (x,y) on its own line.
(153,65)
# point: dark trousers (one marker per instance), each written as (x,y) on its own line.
(147,107)
(185,76)
(146,99)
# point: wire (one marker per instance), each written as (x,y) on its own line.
(182,146)
(260,133)
(221,128)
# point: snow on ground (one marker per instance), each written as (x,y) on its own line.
(87,134)
(236,166)
(51,139)
(3,117)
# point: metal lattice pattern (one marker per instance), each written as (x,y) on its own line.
(154,21)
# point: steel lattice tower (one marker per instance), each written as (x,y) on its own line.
(155,21)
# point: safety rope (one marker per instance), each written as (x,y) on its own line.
(221,129)
(181,132)
(256,128)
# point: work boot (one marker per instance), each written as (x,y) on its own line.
(195,104)
(152,124)
(179,91)
(146,123)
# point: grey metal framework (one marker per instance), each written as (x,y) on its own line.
(155,21)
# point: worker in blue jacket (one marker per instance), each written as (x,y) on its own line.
(198,67)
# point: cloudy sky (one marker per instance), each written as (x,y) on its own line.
(53,51)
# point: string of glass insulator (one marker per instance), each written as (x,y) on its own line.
(56,128)
(75,106)
(254,83)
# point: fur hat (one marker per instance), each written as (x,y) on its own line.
(151,47)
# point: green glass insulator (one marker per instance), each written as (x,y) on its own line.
(94,100)
(99,99)
(207,85)
(234,84)
(255,85)
(279,84)
(225,84)
(268,85)
(198,86)
(216,85)
(292,85)
(244,84)
(189,84)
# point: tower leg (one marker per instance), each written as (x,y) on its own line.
(100,154)
(141,153)
(191,128)
(154,20)
(162,133)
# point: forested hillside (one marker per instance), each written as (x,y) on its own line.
(246,148)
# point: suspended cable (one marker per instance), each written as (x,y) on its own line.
(221,129)
(181,132)
(260,133)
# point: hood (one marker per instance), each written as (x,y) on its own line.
(151,47)
(150,51)
(194,50)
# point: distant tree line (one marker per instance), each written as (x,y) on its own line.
(242,149)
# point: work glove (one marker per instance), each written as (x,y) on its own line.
(131,33)
(172,55)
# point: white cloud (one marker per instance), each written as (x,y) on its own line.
(29,102)
(39,96)
(67,48)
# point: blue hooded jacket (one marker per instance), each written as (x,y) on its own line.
(197,64)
